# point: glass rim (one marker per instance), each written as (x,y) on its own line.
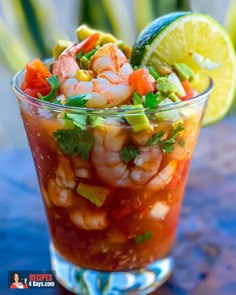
(108,111)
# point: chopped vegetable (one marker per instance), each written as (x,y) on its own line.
(183,71)
(167,115)
(77,119)
(84,62)
(35,78)
(126,207)
(188,90)
(90,53)
(74,142)
(165,86)
(181,142)
(78,100)
(128,153)
(44,90)
(60,47)
(141,81)
(137,119)
(89,43)
(95,121)
(174,79)
(154,72)
(159,210)
(144,237)
(54,83)
(137,99)
(155,138)
(167,145)
(94,193)
(151,100)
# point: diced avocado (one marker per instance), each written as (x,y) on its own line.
(183,71)
(137,118)
(95,194)
(84,32)
(107,38)
(165,86)
(60,47)
(84,62)
(68,124)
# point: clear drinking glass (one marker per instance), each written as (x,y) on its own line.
(112,219)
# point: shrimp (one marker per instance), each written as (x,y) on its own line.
(109,87)
(81,167)
(60,187)
(105,156)
(163,177)
(66,66)
(89,219)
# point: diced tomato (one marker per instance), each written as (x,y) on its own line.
(126,207)
(43,90)
(121,211)
(35,78)
(181,171)
(142,81)
(90,43)
(37,66)
(188,90)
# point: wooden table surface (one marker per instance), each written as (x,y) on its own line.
(205,251)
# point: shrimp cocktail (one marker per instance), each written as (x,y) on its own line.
(112,142)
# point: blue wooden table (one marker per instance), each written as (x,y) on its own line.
(205,250)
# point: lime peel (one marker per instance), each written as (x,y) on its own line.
(172,37)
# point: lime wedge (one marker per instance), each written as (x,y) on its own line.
(198,41)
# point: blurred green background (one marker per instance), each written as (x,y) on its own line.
(30,28)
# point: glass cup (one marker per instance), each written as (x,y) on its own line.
(112,183)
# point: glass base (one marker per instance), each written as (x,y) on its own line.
(90,282)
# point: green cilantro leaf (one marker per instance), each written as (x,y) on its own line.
(181,142)
(55,83)
(175,132)
(137,99)
(155,138)
(78,100)
(95,121)
(128,153)
(151,100)
(144,237)
(74,142)
(167,145)
(78,119)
